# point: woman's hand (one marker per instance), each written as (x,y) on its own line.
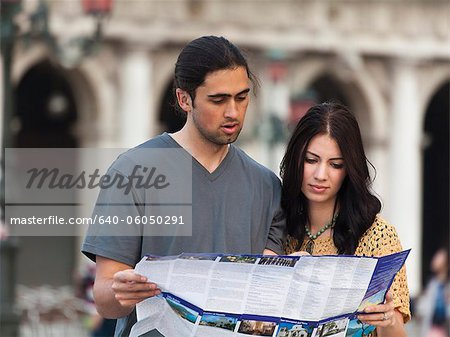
(299,253)
(385,317)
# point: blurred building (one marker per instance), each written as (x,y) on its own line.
(388,60)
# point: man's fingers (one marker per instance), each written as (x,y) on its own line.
(133,286)
(129,275)
(136,296)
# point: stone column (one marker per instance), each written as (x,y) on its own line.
(404,208)
(136,113)
(276,112)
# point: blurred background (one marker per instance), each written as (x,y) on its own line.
(98,73)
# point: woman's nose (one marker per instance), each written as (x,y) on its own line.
(320,172)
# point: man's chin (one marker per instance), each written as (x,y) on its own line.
(231,139)
(227,139)
(223,139)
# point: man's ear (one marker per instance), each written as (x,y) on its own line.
(184,100)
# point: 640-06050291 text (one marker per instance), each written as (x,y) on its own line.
(102,219)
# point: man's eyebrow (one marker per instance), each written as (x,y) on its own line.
(229,95)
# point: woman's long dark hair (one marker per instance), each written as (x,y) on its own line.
(357,205)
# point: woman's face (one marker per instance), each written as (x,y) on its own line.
(439,262)
(323,170)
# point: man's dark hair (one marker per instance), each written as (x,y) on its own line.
(203,56)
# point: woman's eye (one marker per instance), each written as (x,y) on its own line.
(337,165)
(310,160)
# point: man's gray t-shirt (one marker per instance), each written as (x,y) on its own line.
(235,209)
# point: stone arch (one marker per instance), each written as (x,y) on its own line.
(169,120)
(46,110)
(94,94)
(97,94)
(311,71)
(27,57)
(431,78)
(365,97)
(435,176)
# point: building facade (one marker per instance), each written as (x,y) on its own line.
(388,60)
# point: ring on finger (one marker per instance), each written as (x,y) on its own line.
(385,317)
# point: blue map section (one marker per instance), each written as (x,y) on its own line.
(357,329)
(383,276)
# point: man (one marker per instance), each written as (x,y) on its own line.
(235,201)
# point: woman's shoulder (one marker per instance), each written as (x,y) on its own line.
(380,239)
(381,226)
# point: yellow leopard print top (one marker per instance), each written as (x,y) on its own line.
(380,239)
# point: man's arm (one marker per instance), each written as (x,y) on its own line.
(277,232)
(117,288)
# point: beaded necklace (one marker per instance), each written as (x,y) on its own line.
(310,244)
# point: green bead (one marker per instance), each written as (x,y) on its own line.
(322,230)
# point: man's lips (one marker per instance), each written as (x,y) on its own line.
(230,128)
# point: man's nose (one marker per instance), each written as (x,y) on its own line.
(231,110)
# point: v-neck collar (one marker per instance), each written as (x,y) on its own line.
(195,163)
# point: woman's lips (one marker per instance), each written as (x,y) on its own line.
(318,188)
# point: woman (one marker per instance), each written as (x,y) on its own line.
(330,208)
(434,305)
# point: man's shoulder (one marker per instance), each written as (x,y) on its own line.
(149,151)
(252,166)
(161,141)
